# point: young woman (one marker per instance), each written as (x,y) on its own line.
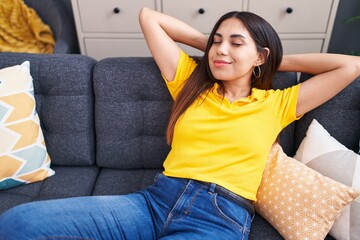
(223,124)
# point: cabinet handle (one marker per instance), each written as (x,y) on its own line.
(116,10)
(289,10)
(201,11)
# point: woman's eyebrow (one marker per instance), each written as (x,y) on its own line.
(237,36)
(231,36)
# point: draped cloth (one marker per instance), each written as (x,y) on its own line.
(22,30)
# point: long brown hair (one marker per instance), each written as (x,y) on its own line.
(201,80)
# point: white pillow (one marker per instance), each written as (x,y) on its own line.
(323,153)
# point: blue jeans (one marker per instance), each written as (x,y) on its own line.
(172,208)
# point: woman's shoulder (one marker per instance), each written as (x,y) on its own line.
(265,93)
(187,60)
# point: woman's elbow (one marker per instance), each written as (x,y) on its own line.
(143,13)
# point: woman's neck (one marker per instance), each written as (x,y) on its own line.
(234,92)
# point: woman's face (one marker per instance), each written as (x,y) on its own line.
(233,54)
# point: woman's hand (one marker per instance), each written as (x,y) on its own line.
(333,72)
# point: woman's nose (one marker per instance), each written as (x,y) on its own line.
(223,49)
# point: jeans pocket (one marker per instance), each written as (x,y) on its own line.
(233,214)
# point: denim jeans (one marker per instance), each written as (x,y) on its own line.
(171,208)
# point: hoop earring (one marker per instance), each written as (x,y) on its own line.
(258,75)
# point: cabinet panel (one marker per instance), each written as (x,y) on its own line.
(293,46)
(101,48)
(112,16)
(201,14)
(104,33)
(288,16)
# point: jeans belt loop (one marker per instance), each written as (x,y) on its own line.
(212,187)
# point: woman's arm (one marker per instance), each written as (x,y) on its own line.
(161,33)
(333,72)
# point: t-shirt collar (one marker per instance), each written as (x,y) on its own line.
(255,95)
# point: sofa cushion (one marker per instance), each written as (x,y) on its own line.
(69,181)
(117,181)
(131,113)
(64,102)
(23,155)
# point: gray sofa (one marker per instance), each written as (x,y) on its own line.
(104,124)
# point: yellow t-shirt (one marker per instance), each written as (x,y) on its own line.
(227,143)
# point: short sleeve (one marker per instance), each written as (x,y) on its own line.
(185,68)
(284,104)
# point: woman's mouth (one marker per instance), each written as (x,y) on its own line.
(220,63)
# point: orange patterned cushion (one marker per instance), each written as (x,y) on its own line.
(297,201)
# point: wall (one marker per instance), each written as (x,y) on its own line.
(345,38)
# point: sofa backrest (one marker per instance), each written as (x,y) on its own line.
(131,112)
(340,116)
(64,102)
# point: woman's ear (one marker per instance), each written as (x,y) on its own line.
(263,55)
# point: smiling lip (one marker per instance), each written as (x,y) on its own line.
(220,63)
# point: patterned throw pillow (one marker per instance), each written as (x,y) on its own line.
(297,201)
(323,153)
(23,155)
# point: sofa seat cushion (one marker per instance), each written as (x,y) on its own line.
(115,181)
(261,229)
(69,181)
